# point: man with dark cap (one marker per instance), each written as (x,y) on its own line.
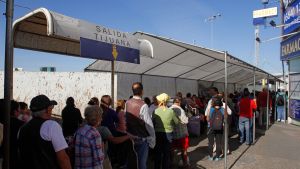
(41,141)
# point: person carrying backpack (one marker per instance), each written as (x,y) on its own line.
(280,105)
(215,128)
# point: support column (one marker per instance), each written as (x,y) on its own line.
(226,115)
(268,103)
(113,83)
(254,115)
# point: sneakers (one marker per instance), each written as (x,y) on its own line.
(218,159)
(210,158)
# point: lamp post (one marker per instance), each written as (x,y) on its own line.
(211,19)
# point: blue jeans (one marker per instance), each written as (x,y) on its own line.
(142,148)
(244,125)
(280,112)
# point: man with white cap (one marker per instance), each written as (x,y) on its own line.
(41,141)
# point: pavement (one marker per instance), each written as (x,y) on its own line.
(276,148)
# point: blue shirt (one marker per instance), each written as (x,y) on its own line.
(212,110)
(110,119)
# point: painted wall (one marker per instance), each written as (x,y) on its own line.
(59,86)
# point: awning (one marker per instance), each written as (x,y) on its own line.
(181,60)
(48,31)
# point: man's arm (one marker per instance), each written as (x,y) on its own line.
(144,114)
(63,160)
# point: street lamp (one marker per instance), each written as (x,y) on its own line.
(211,19)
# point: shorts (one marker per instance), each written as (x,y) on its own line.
(181,143)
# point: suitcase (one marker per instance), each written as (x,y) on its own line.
(194,126)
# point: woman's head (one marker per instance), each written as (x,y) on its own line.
(177,101)
(106,100)
(94,101)
(120,105)
(162,99)
(93,115)
(246,92)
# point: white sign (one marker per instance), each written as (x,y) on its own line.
(75,28)
(268,12)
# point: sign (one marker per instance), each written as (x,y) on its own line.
(290,48)
(262,13)
(259,21)
(108,51)
(295,86)
(294,109)
(291,17)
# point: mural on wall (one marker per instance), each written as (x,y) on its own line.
(59,86)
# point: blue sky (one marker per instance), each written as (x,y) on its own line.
(182,20)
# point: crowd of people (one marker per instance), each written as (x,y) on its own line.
(136,131)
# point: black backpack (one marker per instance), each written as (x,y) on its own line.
(280,100)
(217,119)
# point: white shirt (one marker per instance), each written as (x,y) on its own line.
(51,131)
(182,117)
(144,115)
(152,109)
(229,112)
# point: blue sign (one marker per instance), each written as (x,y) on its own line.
(291,17)
(290,48)
(106,51)
(295,109)
(259,21)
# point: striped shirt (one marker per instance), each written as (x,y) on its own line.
(88,148)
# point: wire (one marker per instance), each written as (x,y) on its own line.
(17,5)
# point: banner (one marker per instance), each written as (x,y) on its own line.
(290,48)
(291,16)
(295,109)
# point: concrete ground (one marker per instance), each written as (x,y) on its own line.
(277,148)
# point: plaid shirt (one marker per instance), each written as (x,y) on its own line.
(88,148)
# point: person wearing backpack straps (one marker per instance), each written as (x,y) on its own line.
(215,128)
(280,105)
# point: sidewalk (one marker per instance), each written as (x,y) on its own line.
(279,148)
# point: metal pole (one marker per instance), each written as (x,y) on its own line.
(254,117)
(8,80)
(276,88)
(289,88)
(226,116)
(113,83)
(268,105)
(284,84)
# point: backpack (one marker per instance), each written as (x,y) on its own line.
(280,100)
(216,121)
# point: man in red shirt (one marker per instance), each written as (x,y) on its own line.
(262,104)
(247,106)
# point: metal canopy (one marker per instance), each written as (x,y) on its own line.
(181,60)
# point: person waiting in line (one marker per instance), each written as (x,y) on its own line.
(89,151)
(15,125)
(41,141)
(121,126)
(153,106)
(262,104)
(180,133)
(71,118)
(215,128)
(25,114)
(94,101)
(139,123)
(280,105)
(247,105)
(164,120)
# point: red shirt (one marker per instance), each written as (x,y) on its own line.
(246,107)
(262,99)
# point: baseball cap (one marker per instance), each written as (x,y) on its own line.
(41,102)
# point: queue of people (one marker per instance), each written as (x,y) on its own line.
(124,137)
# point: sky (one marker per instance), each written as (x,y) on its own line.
(182,20)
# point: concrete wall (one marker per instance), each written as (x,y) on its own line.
(59,86)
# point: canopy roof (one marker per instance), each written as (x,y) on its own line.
(181,60)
